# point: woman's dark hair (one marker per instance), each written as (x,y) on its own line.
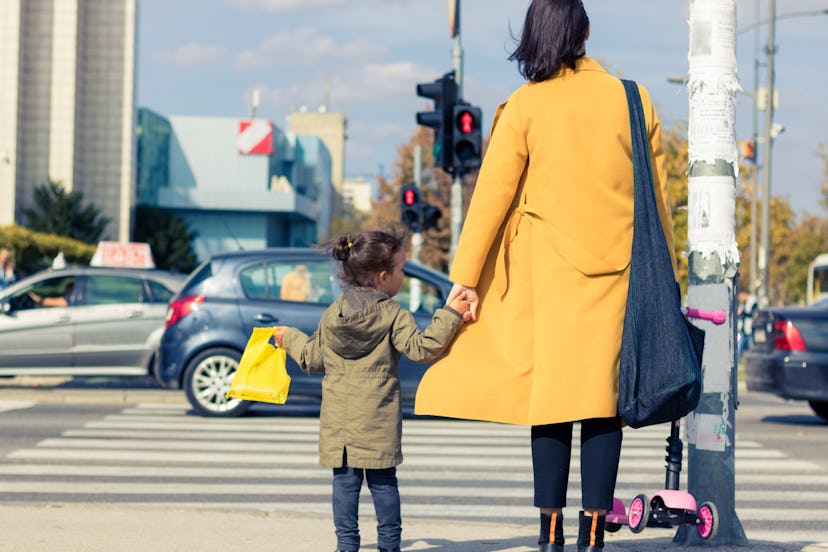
(365,255)
(553,36)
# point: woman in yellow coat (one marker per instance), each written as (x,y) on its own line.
(546,249)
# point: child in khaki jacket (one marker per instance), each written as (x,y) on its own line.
(357,347)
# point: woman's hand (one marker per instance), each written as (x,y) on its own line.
(460,293)
(278,334)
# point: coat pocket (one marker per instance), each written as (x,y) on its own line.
(582,258)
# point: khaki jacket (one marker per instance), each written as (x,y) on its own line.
(357,347)
(547,242)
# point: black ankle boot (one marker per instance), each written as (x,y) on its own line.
(590,532)
(551,529)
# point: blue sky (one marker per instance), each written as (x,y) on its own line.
(203,57)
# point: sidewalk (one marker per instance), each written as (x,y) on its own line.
(98,528)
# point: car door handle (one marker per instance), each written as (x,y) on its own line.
(135,314)
(266,318)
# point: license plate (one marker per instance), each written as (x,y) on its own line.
(759,335)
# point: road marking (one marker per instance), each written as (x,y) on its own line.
(452,470)
(9,405)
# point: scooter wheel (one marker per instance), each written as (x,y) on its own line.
(610,527)
(639,513)
(709,517)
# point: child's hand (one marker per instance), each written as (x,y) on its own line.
(278,333)
(461,305)
(464,300)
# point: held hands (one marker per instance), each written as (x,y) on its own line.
(464,300)
(278,334)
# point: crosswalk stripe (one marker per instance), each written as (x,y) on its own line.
(132,451)
(452,470)
(8,405)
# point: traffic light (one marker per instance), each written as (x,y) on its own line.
(466,137)
(431,216)
(410,212)
(444,93)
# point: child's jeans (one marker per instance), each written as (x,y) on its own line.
(382,483)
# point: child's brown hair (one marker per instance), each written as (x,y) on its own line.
(364,255)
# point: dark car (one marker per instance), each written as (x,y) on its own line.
(789,354)
(84,321)
(210,320)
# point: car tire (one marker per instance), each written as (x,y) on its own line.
(207,379)
(820,408)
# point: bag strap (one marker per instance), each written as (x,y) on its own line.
(645,213)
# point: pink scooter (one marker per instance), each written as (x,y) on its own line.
(670,507)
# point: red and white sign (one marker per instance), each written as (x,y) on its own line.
(132,255)
(255,137)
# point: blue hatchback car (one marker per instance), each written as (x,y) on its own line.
(211,318)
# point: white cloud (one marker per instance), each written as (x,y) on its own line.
(304,46)
(194,54)
(277,6)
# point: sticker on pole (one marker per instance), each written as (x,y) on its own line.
(120,254)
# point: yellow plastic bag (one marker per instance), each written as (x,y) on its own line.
(261,375)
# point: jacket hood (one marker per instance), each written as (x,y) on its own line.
(359,320)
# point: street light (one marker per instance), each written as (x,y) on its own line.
(770,133)
(764,246)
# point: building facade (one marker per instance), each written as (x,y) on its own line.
(67,79)
(331,128)
(238,184)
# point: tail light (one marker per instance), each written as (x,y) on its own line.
(181,307)
(787,336)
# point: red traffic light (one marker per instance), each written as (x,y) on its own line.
(409,197)
(466,122)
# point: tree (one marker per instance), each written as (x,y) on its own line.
(675,148)
(436,190)
(55,211)
(169,237)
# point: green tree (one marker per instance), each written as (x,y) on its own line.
(169,237)
(56,211)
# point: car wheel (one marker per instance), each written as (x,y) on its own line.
(207,379)
(820,407)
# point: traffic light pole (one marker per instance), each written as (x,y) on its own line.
(457,183)
(417,237)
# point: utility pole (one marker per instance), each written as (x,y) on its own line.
(764,248)
(713,260)
(754,196)
(456,206)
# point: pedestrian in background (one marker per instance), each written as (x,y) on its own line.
(357,347)
(7,273)
(544,260)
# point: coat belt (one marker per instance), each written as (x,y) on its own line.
(501,279)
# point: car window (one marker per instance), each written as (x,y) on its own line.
(304,281)
(159,292)
(104,290)
(49,292)
(417,295)
(253,281)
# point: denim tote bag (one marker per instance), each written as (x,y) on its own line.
(660,377)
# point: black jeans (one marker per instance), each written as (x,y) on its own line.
(382,483)
(600,453)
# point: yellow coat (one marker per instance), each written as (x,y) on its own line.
(547,243)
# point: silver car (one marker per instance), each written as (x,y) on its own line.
(84,321)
